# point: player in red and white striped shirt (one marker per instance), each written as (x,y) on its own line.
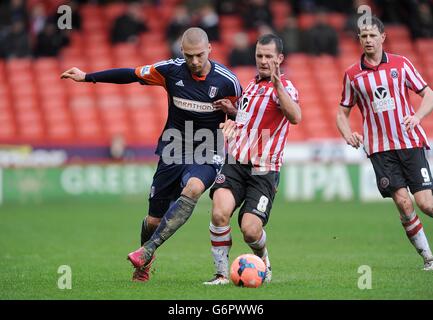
(392,135)
(262,127)
(251,173)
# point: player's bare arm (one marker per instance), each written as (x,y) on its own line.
(353,139)
(226,106)
(74,74)
(290,108)
(425,109)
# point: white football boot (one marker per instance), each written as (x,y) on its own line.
(217,280)
(268,276)
(428,265)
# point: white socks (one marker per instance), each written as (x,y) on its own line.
(221,240)
(415,232)
(259,248)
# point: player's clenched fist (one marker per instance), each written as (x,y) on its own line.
(74,74)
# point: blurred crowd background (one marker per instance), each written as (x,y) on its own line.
(319,44)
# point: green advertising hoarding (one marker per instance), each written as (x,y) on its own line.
(298,182)
(77,181)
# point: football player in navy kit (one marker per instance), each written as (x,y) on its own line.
(194,85)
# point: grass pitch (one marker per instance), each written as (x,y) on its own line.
(315,250)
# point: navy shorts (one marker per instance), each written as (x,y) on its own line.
(170,179)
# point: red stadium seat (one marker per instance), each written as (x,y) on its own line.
(154,53)
(397,33)
(166,12)
(123,51)
(306,20)
(45,65)
(140,102)
(98,51)
(89,131)
(424,46)
(146,132)
(96,24)
(60,131)
(109,103)
(349,46)
(101,63)
(30,125)
(54,108)
(245,74)
(5,102)
(81,103)
(6,115)
(76,38)
(113,11)
(89,11)
(72,52)
(337,20)
(96,39)
(296,133)
(106,91)
(227,37)
(21,65)
(7,131)
(230,22)
(153,19)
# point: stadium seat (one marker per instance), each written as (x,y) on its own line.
(89,11)
(397,33)
(306,20)
(349,46)
(90,131)
(60,132)
(112,11)
(230,22)
(146,126)
(245,74)
(105,92)
(153,19)
(5,101)
(125,50)
(337,20)
(155,52)
(108,103)
(143,101)
(45,65)
(72,52)
(21,65)
(30,126)
(166,12)
(296,133)
(423,46)
(7,131)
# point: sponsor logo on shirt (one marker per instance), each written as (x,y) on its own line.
(382,100)
(191,105)
(243,116)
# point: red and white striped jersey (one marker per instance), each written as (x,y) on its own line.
(381,93)
(262,126)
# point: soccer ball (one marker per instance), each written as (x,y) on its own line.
(248,270)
